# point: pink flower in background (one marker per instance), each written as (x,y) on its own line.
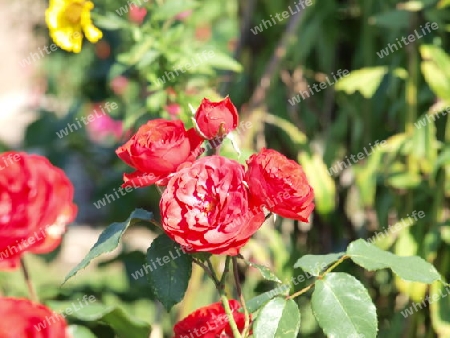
(137,14)
(119,85)
(103,127)
(183,15)
(174,110)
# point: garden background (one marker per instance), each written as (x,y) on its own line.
(339,86)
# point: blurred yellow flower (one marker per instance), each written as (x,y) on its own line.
(67,20)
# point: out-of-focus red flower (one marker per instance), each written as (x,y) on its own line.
(22,318)
(102,49)
(157,150)
(210,322)
(36,204)
(216,119)
(203,33)
(206,207)
(137,14)
(174,110)
(280,185)
(119,85)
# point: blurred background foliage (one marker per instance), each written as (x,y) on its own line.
(382,99)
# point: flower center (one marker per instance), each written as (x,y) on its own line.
(73,12)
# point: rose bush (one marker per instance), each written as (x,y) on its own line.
(216,119)
(280,185)
(22,318)
(36,204)
(210,322)
(206,206)
(157,150)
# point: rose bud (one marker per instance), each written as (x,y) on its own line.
(280,185)
(157,150)
(23,318)
(36,205)
(216,119)
(211,319)
(206,207)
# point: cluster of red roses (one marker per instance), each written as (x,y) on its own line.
(212,203)
(35,208)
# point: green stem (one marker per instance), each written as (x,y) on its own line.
(343,258)
(302,291)
(220,286)
(230,316)
(209,271)
(225,302)
(241,297)
(225,270)
(30,286)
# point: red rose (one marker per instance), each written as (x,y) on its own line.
(216,119)
(157,150)
(210,322)
(280,185)
(35,206)
(206,207)
(23,318)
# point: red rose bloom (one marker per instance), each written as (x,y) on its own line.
(206,207)
(216,119)
(35,206)
(210,322)
(280,185)
(22,318)
(157,150)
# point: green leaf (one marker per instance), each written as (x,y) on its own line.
(436,79)
(321,181)
(257,302)
(343,307)
(123,325)
(110,21)
(440,309)
(77,331)
(294,133)
(223,61)
(364,80)
(110,239)
(265,272)
(411,268)
(394,19)
(278,318)
(314,264)
(169,279)
(435,69)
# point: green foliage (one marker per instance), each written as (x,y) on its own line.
(343,307)
(170,279)
(410,268)
(278,318)
(110,239)
(122,324)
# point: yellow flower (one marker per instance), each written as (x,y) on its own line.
(67,20)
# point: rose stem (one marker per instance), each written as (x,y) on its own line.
(30,286)
(209,271)
(225,302)
(241,296)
